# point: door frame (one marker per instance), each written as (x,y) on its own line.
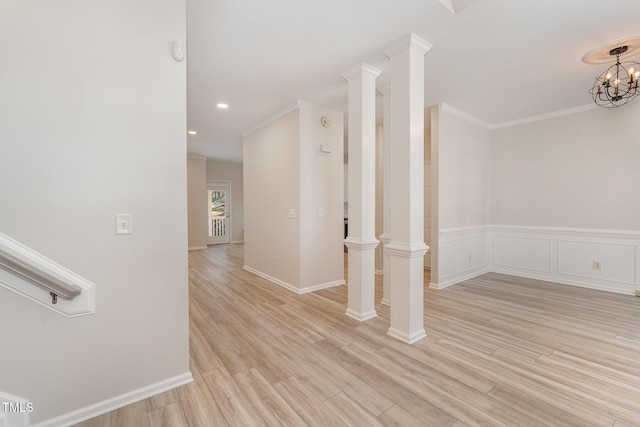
(215,184)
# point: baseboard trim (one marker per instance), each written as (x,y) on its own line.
(271,279)
(289,286)
(197,248)
(457,279)
(117,402)
(321,286)
(561,281)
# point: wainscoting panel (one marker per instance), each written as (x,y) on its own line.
(463,253)
(448,262)
(598,259)
(522,252)
(467,254)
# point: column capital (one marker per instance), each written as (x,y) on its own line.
(384,238)
(362,244)
(361,70)
(407,42)
(412,250)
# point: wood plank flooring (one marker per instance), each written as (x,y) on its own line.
(500,351)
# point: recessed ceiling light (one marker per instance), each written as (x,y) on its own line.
(192,132)
(222,106)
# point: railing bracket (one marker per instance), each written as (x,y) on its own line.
(39,279)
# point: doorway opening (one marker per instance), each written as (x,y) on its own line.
(219,212)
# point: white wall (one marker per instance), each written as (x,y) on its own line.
(461,156)
(564,198)
(321,187)
(271,171)
(92,122)
(284,170)
(465,173)
(232,172)
(197,202)
(574,171)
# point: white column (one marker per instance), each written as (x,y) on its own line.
(385,237)
(407,248)
(361,240)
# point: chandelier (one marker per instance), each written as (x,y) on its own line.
(618,85)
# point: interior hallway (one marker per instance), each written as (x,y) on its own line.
(500,351)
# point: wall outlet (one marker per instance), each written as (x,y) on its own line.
(292,213)
(597,265)
(124,223)
(274,261)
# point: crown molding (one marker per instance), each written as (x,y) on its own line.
(384,88)
(289,108)
(406,42)
(472,119)
(457,6)
(464,116)
(546,116)
(449,5)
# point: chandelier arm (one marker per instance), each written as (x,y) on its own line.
(618,85)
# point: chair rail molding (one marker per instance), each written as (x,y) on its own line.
(36,277)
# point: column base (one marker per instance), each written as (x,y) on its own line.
(407,291)
(361,317)
(409,339)
(361,279)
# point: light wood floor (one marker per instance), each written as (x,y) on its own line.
(500,351)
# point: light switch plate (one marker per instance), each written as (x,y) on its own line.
(124,224)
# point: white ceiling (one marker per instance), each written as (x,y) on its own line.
(496,60)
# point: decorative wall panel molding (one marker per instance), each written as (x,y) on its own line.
(522,252)
(598,259)
(463,253)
